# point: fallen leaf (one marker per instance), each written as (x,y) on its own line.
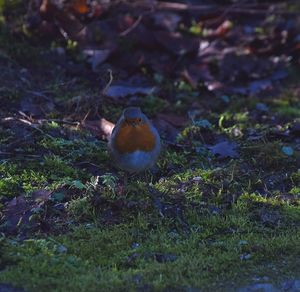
(173,119)
(100,128)
(270,218)
(16,213)
(96,56)
(224,149)
(36,105)
(176,43)
(63,16)
(166,20)
(197,73)
(220,31)
(119,91)
(79,6)
(41,195)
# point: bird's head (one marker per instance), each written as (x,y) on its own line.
(133,116)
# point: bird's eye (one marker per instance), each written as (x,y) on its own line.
(139,119)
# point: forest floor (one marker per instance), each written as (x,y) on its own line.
(221,212)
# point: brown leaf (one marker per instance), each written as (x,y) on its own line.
(63,17)
(36,104)
(119,91)
(79,6)
(176,43)
(166,20)
(173,119)
(17,212)
(224,149)
(96,56)
(41,195)
(102,127)
(221,30)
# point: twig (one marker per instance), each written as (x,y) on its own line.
(85,117)
(60,122)
(7,119)
(28,123)
(29,119)
(175,144)
(111,78)
(39,94)
(15,154)
(131,28)
(36,128)
(86,162)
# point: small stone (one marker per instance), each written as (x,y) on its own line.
(287,150)
(245,256)
(135,245)
(197,179)
(62,249)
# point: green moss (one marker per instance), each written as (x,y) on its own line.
(172,159)
(151,104)
(57,168)
(81,209)
(270,211)
(295,191)
(76,150)
(295,177)
(289,111)
(287,105)
(16,180)
(266,155)
(133,255)
(190,183)
(50,172)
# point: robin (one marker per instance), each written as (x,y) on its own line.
(134,143)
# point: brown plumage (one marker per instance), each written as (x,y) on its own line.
(131,138)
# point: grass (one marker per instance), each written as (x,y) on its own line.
(256,236)
(202,221)
(215,252)
(211,224)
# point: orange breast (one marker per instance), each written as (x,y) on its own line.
(129,138)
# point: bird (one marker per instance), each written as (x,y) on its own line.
(134,144)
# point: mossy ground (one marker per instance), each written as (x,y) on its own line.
(203,222)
